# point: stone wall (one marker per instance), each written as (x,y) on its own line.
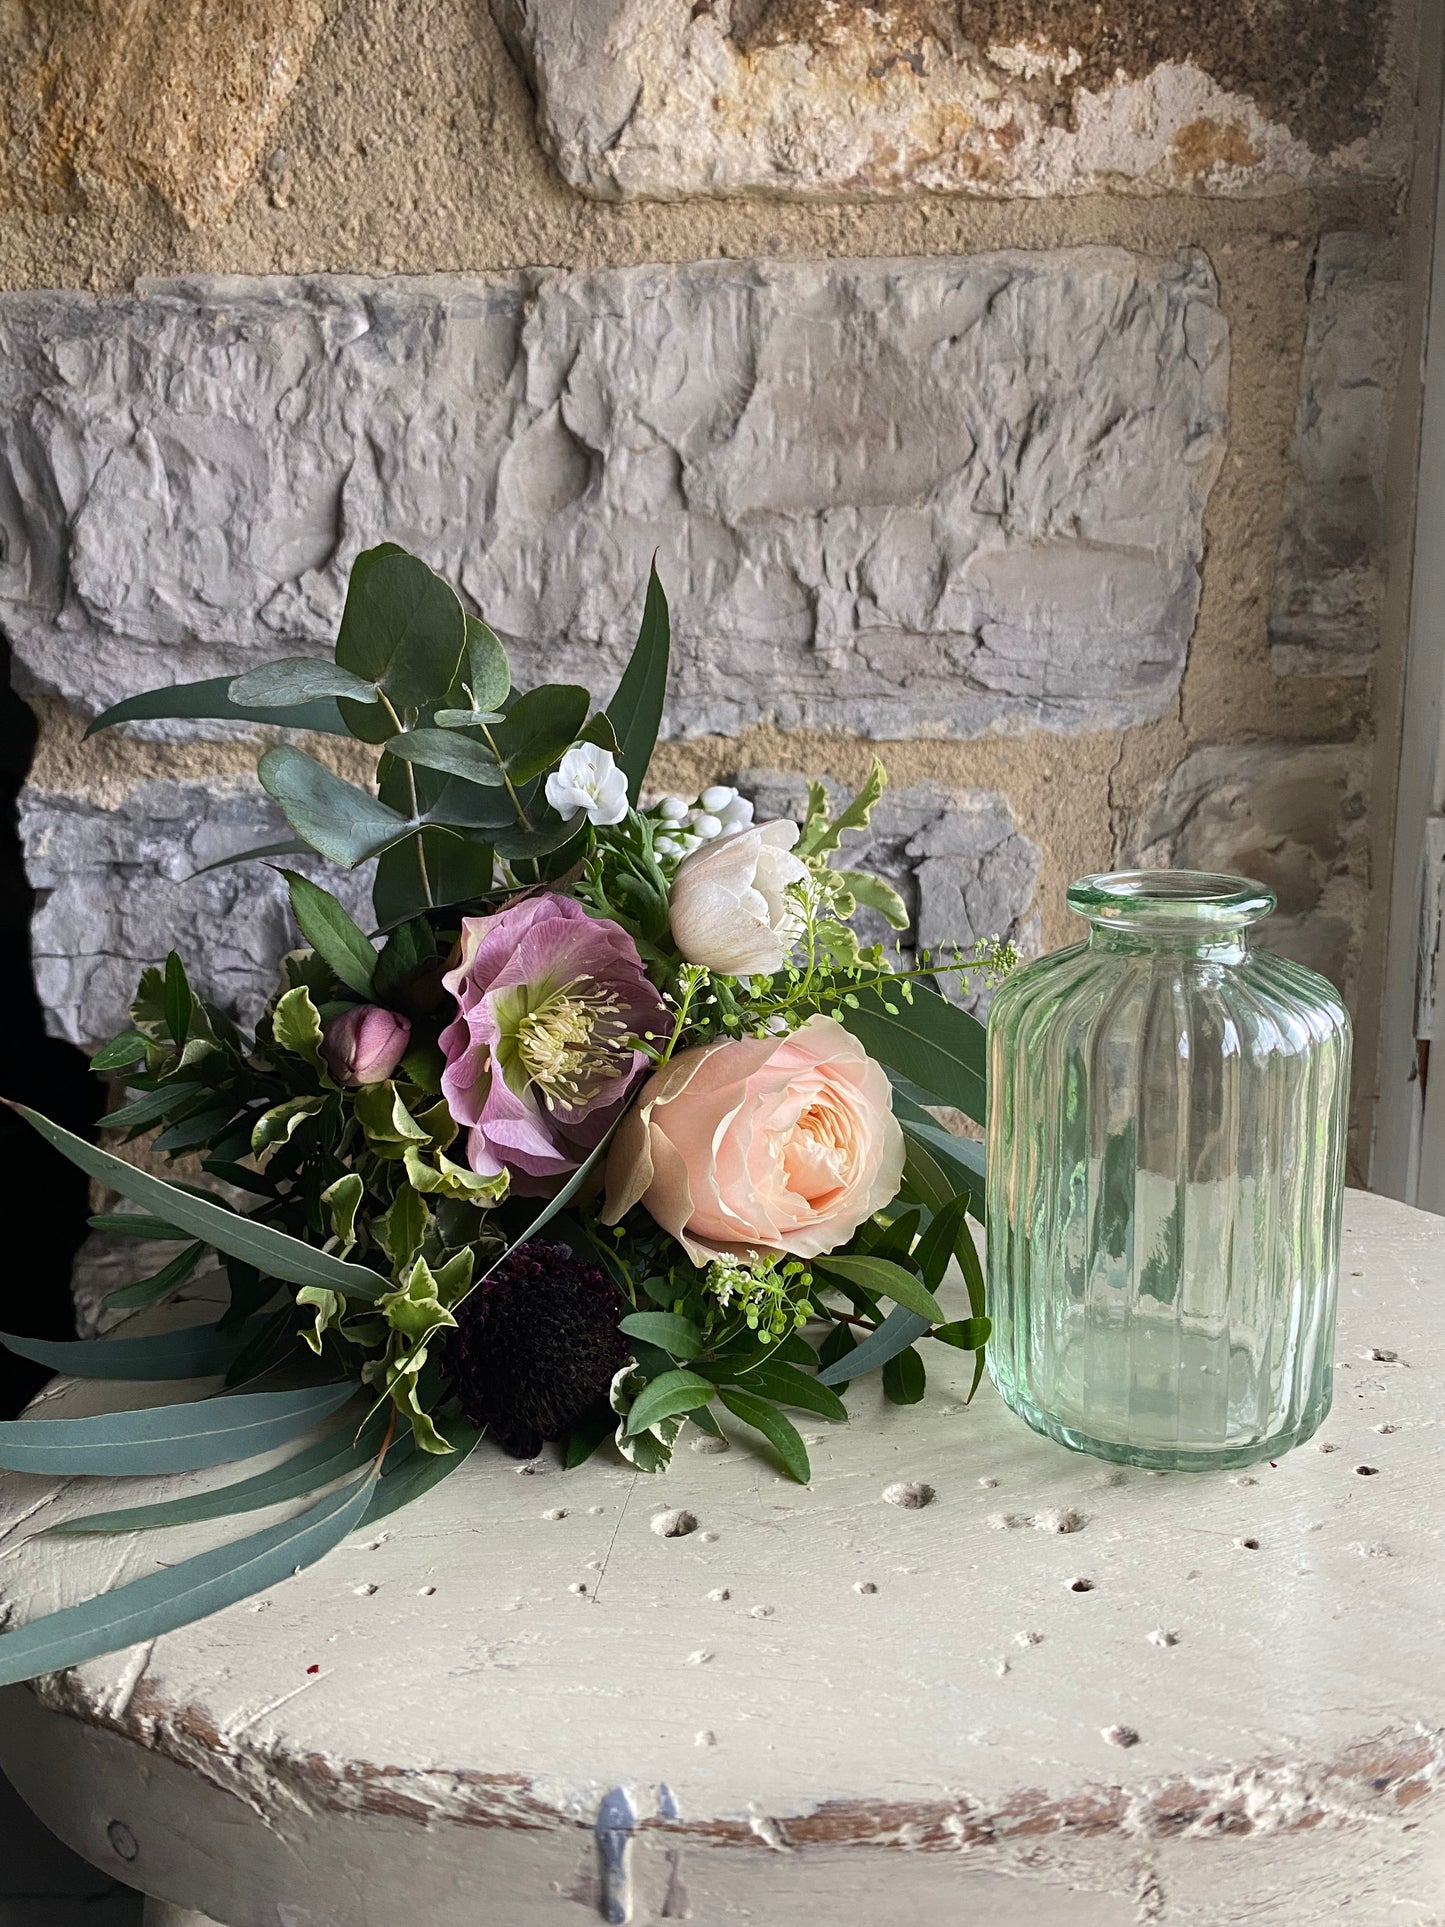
(1024,393)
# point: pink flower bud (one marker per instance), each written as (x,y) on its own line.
(365,1045)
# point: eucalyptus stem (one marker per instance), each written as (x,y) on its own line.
(522,822)
(398,728)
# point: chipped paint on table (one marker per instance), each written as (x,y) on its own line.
(1051,1688)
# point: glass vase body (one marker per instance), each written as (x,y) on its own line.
(1166,1143)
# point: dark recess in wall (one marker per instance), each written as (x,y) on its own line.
(44,1198)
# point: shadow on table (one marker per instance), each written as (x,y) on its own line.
(43,1884)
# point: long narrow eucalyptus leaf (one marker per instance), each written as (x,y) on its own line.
(181,1594)
(331,1458)
(925,1039)
(194,1352)
(212,698)
(167,1438)
(410,1472)
(274,1252)
(897,1332)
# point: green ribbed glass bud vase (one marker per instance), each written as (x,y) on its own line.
(1166,1143)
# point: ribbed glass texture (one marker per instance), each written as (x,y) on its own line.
(1166,1139)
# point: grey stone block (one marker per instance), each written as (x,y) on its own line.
(1290,816)
(811,98)
(956,856)
(1330,568)
(938,497)
(117,889)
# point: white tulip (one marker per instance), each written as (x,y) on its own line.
(731,907)
(587,778)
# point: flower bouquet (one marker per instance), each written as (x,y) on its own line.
(613,1124)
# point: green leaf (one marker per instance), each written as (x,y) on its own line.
(401,1229)
(167,1438)
(450,752)
(340,1452)
(938,1242)
(456,872)
(665,1397)
(488,673)
(819,835)
(120,1053)
(407,950)
(780,1432)
(635,711)
(933,1177)
(150,1291)
(961,1159)
(197,1351)
(539,727)
(967,1334)
(329,930)
(288,846)
(343,822)
(298,679)
(179,1001)
(673,1333)
(874,894)
(546,835)
(928,1041)
(274,1252)
(342,1199)
(212,698)
(587,1434)
(403,629)
(279,1124)
(776,1379)
(175,1095)
(898,1330)
(296,1026)
(890,1280)
(181,1594)
(196,1129)
(905,1378)
(131,1224)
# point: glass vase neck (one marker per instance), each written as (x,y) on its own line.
(1189,911)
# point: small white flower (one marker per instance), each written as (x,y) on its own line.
(672,809)
(587,778)
(706,826)
(666,846)
(737,816)
(716,799)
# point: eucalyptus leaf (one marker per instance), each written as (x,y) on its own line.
(131,1224)
(288,846)
(181,1594)
(635,710)
(211,699)
(450,752)
(539,727)
(274,1252)
(332,1457)
(196,1351)
(343,822)
(298,679)
(402,629)
(898,1330)
(331,933)
(168,1438)
(488,673)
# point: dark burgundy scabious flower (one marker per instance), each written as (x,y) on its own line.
(536,1346)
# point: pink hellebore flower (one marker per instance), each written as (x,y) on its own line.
(551,1003)
(365,1045)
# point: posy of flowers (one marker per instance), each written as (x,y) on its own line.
(613,1124)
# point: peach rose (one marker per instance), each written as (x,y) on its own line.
(760,1144)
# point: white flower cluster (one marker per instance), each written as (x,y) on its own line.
(685,827)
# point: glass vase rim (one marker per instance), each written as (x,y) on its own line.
(1199,900)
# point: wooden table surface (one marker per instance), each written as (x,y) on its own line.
(1056,1691)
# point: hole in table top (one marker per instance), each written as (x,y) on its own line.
(1249,1545)
(674,1524)
(911,1494)
(1081,1585)
(1367,1471)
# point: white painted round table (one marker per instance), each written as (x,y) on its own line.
(1058,1693)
